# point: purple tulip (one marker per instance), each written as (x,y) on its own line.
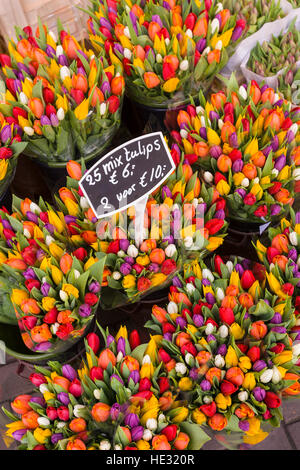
(62,60)
(193,374)
(239,269)
(210,338)
(259,393)
(105,88)
(222,349)
(233,141)
(205,282)
(267,301)
(18,85)
(121,345)
(45,287)
(154,267)
(63,397)
(85,310)
(68,372)
(50,51)
(118,48)
(45,121)
(275,143)
(219,18)
(5,134)
(276,319)
(94,287)
(263,88)
(54,120)
(237,32)
(278,103)
(201,45)
(237,166)
(166,192)
(290,136)
(259,365)
(19,434)
(135,376)
(244,425)
(297,217)
(29,274)
(198,320)
(279,329)
(70,218)
(181,322)
(210,298)
(81,70)
(115,376)
(220,214)
(132,420)
(246,263)
(55,438)
(275,209)
(213,116)
(129,260)
(137,433)
(215,151)
(168,336)
(109,340)
(115,411)
(169,239)
(32,217)
(176,282)
(280,162)
(42,347)
(205,385)
(267,150)
(124,244)
(203,133)
(125,269)
(104,22)
(38,400)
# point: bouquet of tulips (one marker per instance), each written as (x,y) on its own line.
(66,100)
(289,84)
(233,343)
(295,3)
(280,255)
(255,14)
(168,48)
(245,141)
(54,293)
(183,220)
(119,399)
(11,146)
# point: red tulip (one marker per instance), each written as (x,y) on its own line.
(113,104)
(247,279)
(218,261)
(134,339)
(163,383)
(96,373)
(93,342)
(145,384)
(214,225)
(228,388)
(254,353)
(272,400)
(209,410)
(170,432)
(51,316)
(163,356)
(226,315)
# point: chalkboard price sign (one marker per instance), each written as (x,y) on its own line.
(127,174)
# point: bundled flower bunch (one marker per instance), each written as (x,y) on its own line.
(232,343)
(168,49)
(118,399)
(256,13)
(295,3)
(65,99)
(54,293)
(289,84)
(11,146)
(244,140)
(280,255)
(183,220)
(281,51)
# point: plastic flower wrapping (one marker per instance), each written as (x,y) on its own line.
(255,14)
(66,100)
(118,399)
(183,220)
(168,49)
(233,342)
(54,284)
(245,140)
(279,252)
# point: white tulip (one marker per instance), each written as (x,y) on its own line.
(219,7)
(60,114)
(245,182)
(184,134)
(170,250)
(23,98)
(76,273)
(29,131)
(220,124)
(49,240)
(84,204)
(132,251)
(97,394)
(229,265)
(276,377)
(243,92)
(296,349)
(293,238)
(294,128)
(180,368)
(208,177)
(127,53)
(43,421)
(215,26)
(275,172)
(54,328)
(167,41)
(147,436)
(209,329)
(190,287)
(206,51)
(199,110)
(219,361)
(105,445)
(63,295)
(103,108)
(266,376)
(121,254)
(272,266)
(188,242)
(219,45)
(43,388)
(243,396)
(146,359)
(296,174)
(116,275)
(203,122)
(126,32)
(76,410)
(189,33)
(189,359)
(276,98)
(61,424)
(184,65)
(207,399)
(220,293)
(256,180)
(53,36)
(223,331)
(59,51)
(172,307)
(151,424)
(207,274)
(159,58)
(26,233)
(120,356)
(35,208)
(161,418)
(118,447)
(65,72)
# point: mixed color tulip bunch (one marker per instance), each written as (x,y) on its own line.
(66,100)
(245,141)
(255,13)
(168,48)
(54,284)
(11,146)
(117,400)
(280,255)
(183,219)
(279,53)
(233,344)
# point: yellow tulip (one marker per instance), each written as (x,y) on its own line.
(143,445)
(212,137)
(282,358)
(56,250)
(185,384)
(55,220)
(244,363)
(72,207)
(82,110)
(122,333)
(238,178)
(260,249)
(234,279)
(18,296)
(71,290)
(249,381)
(256,439)
(198,417)
(188,148)
(90,263)
(170,85)
(57,275)
(237,331)
(128,281)
(223,401)
(231,358)
(42,435)
(3,168)
(285,173)
(214,243)
(157,279)
(48,303)
(252,148)
(223,188)
(14,426)
(257,191)
(147,370)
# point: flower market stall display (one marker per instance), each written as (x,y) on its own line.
(280,255)
(233,343)
(54,293)
(183,220)
(118,399)
(255,14)
(168,49)
(67,101)
(244,140)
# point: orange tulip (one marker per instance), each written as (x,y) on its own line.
(182,339)
(117,85)
(201,149)
(179,297)
(218,100)
(96,97)
(232,290)
(293,389)
(151,79)
(62,382)
(137,10)
(77,425)
(37,127)
(203,357)
(76,444)
(64,317)
(89,236)
(79,81)
(225,15)
(131,363)
(281,243)
(106,357)
(229,301)
(258,159)
(214,56)
(281,261)
(41,333)
(37,107)
(170,365)
(268,95)
(25,48)
(200,28)
(70,46)
(235,376)
(258,329)
(182,441)
(224,163)
(244,411)
(249,171)
(29,419)
(153,29)
(157,256)
(217,422)
(159,313)
(213,372)
(226,131)
(160,442)
(100,412)
(148,245)
(274,121)
(16,263)
(74,170)
(246,300)
(139,52)
(40,57)
(65,263)
(183,117)
(20,404)
(255,93)
(25,205)
(283,196)
(30,306)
